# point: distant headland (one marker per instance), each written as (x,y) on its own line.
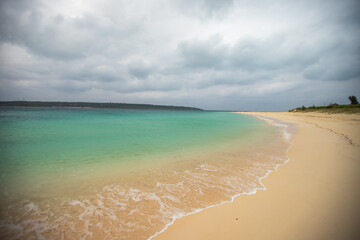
(94,105)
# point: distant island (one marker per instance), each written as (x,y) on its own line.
(93,105)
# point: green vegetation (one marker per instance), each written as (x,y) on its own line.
(94,105)
(331,108)
(353,107)
(353,100)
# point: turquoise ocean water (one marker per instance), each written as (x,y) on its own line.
(45,140)
(42,149)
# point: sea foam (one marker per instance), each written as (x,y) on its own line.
(144,205)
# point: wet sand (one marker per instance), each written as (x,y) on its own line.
(103,204)
(316,195)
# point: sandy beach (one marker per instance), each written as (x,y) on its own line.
(316,195)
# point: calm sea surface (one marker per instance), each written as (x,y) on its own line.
(124,174)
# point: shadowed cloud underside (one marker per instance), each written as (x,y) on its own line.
(210,54)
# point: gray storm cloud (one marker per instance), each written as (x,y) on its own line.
(234,54)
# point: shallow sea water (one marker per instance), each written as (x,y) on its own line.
(125,174)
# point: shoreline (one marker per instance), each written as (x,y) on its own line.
(192,183)
(303,199)
(286,135)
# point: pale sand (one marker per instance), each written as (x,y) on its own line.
(316,195)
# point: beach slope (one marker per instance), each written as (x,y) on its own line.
(316,195)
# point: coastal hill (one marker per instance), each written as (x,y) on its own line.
(94,105)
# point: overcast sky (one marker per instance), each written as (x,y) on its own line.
(214,54)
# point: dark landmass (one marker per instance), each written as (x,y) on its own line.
(94,105)
(331,108)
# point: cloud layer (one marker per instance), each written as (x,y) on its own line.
(233,54)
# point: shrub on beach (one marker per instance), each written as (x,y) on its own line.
(353,100)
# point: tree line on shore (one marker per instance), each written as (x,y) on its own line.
(353,107)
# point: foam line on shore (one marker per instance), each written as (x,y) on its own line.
(286,136)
